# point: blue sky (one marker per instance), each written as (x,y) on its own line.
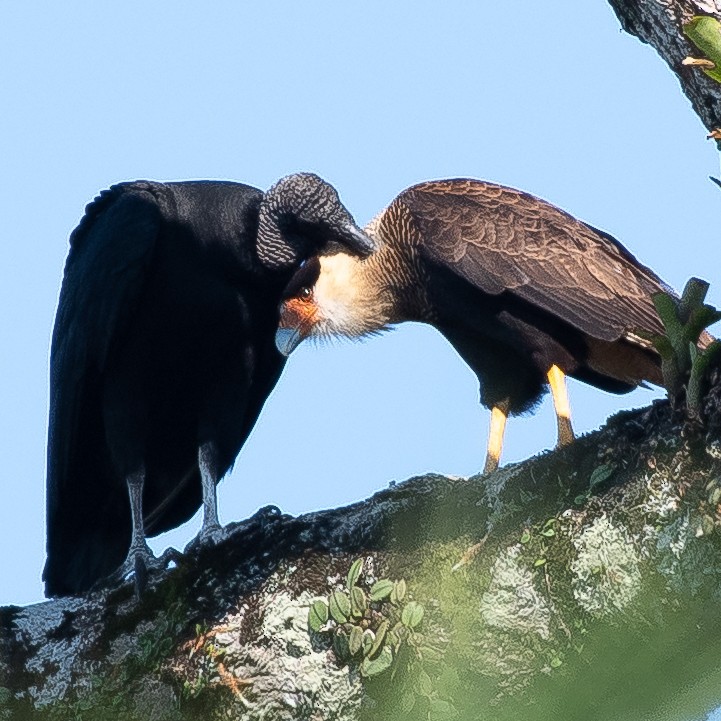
(374,98)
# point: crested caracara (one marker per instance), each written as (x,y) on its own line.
(525,293)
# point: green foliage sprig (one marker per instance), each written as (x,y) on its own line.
(683,364)
(372,628)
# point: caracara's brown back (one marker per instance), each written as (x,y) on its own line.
(508,243)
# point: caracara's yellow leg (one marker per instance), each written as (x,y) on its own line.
(499,413)
(557,381)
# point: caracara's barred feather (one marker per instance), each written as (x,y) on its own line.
(501,239)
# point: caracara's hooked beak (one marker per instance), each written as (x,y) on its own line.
(287,340)
(298,309)
(297,317)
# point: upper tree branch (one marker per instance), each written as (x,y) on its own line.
(659,23)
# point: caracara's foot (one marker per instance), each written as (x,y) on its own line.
(490,465)
(499,413)
(470,554)
(557,381)
(565,432)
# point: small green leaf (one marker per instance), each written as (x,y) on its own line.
(539,562)
(667,307)
(663,345)
(556,662)
(394,637)
(355,640)
(431,653)
(700,364)
(358,603)
(399,591)
(412,614)
(600,474)
(708,524)
(341,646)
(548,533)
(317,615)
(526,536)
(354,573)
(693,294)
(373,667)
(381,589)
(367,641)
(339,606)
(380,637)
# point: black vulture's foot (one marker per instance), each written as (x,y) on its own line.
(211,534)
(139,564)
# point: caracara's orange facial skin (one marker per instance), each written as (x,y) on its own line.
(299,314)
(298,318)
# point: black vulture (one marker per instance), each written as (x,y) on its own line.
(524,292)
(163,355)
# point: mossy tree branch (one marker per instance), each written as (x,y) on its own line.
(660,24)
(597,582)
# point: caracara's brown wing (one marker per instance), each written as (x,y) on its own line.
(500,239)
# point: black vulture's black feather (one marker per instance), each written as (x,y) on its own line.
(164,345)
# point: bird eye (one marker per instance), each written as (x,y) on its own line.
(305,293)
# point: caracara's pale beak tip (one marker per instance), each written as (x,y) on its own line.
(287,340)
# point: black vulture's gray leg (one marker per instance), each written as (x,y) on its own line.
(140,558)
(138,545)
(211,531)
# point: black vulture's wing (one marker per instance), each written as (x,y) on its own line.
(110,252)
(504,240)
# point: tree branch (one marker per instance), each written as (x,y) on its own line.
(597,583)
(659,23)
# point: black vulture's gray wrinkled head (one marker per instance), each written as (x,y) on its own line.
(301,216)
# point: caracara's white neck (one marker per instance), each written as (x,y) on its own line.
(356,296)
(344,297)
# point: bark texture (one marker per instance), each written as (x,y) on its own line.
(659,23)
(595,593)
